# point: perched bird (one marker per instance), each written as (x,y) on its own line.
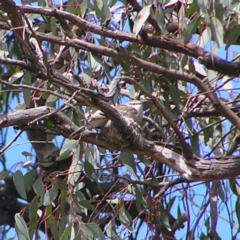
(133,111)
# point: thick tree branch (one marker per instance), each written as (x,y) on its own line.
(138,62)
(194,170)
(212,61)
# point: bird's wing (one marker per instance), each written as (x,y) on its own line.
(122,109)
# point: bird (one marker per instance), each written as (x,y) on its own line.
(133,110)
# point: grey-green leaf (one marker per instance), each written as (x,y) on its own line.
(141,19)
(38,188)
(128,161)
(18,180)
(21,227)
(50,195)
(67,148)
(15,76)
(3,175)
(96,230)
(29,178)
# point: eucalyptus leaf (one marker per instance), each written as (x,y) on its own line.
(16,76)
(67,149)
(76,167)
(50,195)
(217,31)
(27,80)
(141,19)
(18,180)
(38,188)
(29,178)
(21,227)
(96,230)
(4,174)
(128,161)
(102,10)
(33,209)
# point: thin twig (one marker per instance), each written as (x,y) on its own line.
(11,142)
(54,112)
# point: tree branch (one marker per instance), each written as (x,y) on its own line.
(194,169)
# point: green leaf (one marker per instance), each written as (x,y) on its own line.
(205,37)
(21,227)
(54,26)
(191,9)
(91,154)
(217,31)
(78,196)
(193,25)
(146,84)
(76,167)
(126,219)
(88,168)
(171,202)
(33,209)
(4,50)
(18,180)
(46,165)
(50,195)
(94,65)
(144,160)
(67,149)
(165,220)
(3,175)
(16,76)
(84,6)
(29,178)
(96,230)
(88,205)
(80,209)
(32,226)
(20,106)
(102,10)
(38,188)
(27,80)
(52,99)
(202,10)
(138,194)
(66,232)
(141,19)
(175,94)
(79,186)
(41,3)
(62,225)
(200,69)
(63,201)
(52,223)
(233,35)
(84,233)
(237,209)
(159,16)
(128,161)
